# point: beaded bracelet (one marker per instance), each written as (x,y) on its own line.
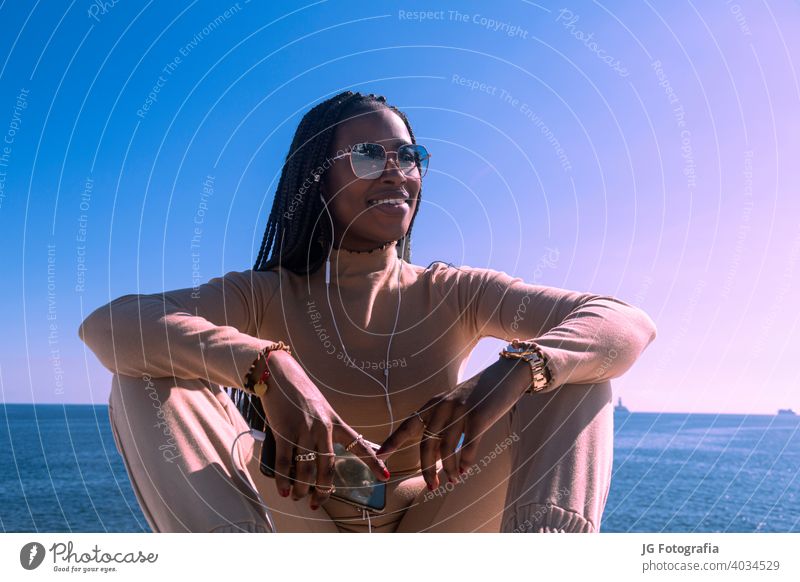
(260,387)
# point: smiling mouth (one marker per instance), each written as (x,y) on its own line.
(390,199)
(388,202)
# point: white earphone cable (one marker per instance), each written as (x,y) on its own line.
(385,384)
(258,436)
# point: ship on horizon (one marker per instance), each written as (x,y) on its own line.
(620,408)
(786,412)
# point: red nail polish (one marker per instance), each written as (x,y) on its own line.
(386,473)
(430,486)
(284,492)
(313,506)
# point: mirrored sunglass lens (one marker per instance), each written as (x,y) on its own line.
(414,155)
(408,157)
(368,159)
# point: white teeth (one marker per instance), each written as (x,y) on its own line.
(392,201)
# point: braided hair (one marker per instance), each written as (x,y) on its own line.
(300,243)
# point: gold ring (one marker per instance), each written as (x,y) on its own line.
(355,441)
(325,490)
(422,421)
(433,435)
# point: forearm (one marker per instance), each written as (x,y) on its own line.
(587,338)
(498,386)
(598,342)
(274,363)
(133,335)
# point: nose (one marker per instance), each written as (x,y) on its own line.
(393,175)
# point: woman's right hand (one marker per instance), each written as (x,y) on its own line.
(302,421)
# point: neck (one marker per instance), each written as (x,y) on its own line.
(352,262)
(369,250)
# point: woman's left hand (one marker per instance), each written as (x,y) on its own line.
(470,408)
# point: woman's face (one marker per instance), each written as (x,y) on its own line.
(358,225)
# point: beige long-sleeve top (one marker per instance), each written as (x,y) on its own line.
(340,334)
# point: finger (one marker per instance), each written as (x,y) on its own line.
(363,451)
(469,450)
(410,428)
(283,464)
(325,466)
(447,449)
(429,446)
(305,470)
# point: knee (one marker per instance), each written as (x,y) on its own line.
(162,383)
(165,405)
(595,395)
(569,404)
(158,391)
(140,393)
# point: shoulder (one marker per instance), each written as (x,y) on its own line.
(467,273)
(249,278)
(260,285)
(464,279)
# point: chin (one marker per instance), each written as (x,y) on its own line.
(388,237)
(385,234)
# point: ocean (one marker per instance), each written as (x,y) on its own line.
(704,473)
(60,472)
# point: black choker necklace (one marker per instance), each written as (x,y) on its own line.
(380,248)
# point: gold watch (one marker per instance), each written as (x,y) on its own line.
(531,353)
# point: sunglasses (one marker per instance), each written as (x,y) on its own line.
(368,160)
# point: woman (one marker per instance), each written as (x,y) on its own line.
(376,346)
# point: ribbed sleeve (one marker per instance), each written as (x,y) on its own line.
(205,332)
(587,338)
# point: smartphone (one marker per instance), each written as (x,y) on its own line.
(355,483)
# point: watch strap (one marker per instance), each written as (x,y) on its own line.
(537,360)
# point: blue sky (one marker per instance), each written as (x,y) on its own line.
(646,151)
